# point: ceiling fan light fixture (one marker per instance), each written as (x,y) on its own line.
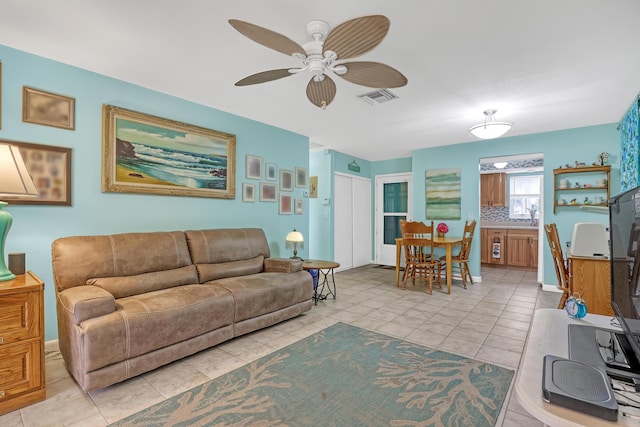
(490,128)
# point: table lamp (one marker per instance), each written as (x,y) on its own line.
(294,238)
(14,182)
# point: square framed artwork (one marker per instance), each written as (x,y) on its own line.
(254,167)
(286,180)
(268,192)
(301,177)
(285,204)
(49,109)
(50,170)
(202,169)
(298,206)
(248,192)
(270,172)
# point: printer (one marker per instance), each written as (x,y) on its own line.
(590,239)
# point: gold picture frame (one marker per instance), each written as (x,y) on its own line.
(49,109)
(154,155)
(50,169)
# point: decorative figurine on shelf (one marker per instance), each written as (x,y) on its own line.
(580,164)
(442,229)
(577,185)
(586,201)
(573,202)
(602,158)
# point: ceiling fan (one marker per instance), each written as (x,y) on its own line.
(324,53)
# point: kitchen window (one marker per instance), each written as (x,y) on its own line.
(524,195)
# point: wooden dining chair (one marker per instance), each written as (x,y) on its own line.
(419,253)
(461,259)
(562,273)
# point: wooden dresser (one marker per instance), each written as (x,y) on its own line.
(22,380)
(591,278)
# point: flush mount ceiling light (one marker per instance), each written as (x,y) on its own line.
(490,128)
(500,165)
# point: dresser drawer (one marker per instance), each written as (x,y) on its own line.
(19,369)
(19,317)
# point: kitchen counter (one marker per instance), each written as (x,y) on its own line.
(508,225)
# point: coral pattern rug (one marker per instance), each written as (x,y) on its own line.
(342,376)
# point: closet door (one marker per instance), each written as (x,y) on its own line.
(352,221)
(343,221)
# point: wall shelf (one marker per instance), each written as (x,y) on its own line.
(569,191)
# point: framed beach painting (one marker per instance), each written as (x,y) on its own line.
(286,180)
(268,192)
(50,169)
(148,154)
(442,193)
(49,109)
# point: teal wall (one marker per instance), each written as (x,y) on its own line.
(558,148)
(93,212)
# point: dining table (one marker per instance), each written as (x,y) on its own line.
(446,242)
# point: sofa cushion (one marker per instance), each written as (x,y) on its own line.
(263,293)
(125,286)
(147,322)
(79,258)
(227,252)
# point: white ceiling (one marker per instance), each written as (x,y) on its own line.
(544,65)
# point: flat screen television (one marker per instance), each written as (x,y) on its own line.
(624,238)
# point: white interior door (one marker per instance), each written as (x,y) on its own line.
(393,203)
(361,221)
(343,221)
(352,221)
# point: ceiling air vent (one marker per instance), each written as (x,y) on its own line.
(378,96)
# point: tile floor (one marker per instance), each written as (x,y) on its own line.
(489,321)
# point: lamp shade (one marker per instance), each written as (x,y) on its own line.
(490,128)
(15,180)
(295,237)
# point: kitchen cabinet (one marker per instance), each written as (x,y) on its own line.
(581,186)
(517,247)
(484,253)
(495,246)
(493,189)
(522,248)
(22,379)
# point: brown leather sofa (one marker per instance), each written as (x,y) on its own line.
(129,303)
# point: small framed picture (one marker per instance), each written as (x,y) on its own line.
(270,172)
(285,204)
(268,192)
(301,177)
(286,180)
(313,187)
(248,192)
(298,206)
(49,109)
(254,167)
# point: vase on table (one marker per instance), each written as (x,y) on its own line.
(440,234)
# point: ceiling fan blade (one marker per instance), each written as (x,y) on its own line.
(268,38)
(373,74)
(357,36)
(264,76)
(321,93)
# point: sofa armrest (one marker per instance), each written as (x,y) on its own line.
(86,302)
(282,265)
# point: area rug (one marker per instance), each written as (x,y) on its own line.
(342,376)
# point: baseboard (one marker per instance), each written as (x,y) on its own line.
(550,288)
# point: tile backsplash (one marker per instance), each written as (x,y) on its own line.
(499,214)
